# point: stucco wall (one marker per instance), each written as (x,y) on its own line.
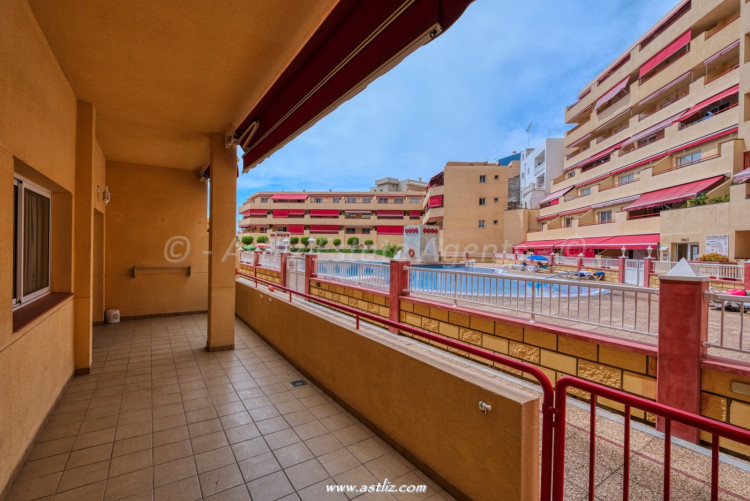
(150,206)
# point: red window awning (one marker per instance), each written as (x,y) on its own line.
(324,213)
(564,213)
(653,129)
(390,214)
(323,228)
(573,119)
(708,102)
(702,140)
(355,43)
(256,213)
(556,195)
(415,213)
(742,176)
(630,242)
(280,213)
(296,229)
(677,44)
(666,87)
(289,197)
(435,201)
(390,230)
(673,194)
(723,51)
(607,96)
(296,212)
(538,244)
(434,220)
(594,158)
(580,140)
(358,211)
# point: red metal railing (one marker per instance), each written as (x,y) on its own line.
(717,429)
(548,400)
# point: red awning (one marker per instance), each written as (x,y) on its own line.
(288,196)
(677,44)
(708,102)
(324,213)
(434,179)
(666,87)
(390,213)
(435,201)
(722,52)
(280,213)
(702,140)
(742,176)
(323,228)
(434,220)
(296,212)
(594,158)
(390,230)
(579,140)
(630,242)
(564,213)
(654,128)
(573,119)
(354,44)
(673,194)
(612,92)
(296,229)
(555,195)
(539,244)
(256,212)
(613,68)
(358,211)
(415,213)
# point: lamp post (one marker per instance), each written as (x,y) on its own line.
(649,249)
(624,250)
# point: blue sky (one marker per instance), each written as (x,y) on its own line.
(466,96)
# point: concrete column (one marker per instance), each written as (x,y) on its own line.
(309,268)
(621,270)
(399,287)
(683,327)
(747,276)
(83,237)
(282,268)
(223,215)
(648,267)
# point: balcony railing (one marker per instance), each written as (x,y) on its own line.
(367,275)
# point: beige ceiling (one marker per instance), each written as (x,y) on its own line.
(165,74)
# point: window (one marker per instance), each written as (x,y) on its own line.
(571,174)
(689,159)
(605,216)
(483,179)
(497,176)
(365,231)
(317,200)
(627,178)
(365,215)
(398,200)
(264,200)
(415,200)
(481,223)
(568,222)
(350,231)
(366,200)
(280,228)
(496,199)
(31,239)
(585,191)
(482,201)
(494,221)
(382,200)
(351,200)
(336,200)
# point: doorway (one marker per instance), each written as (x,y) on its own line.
(689,251)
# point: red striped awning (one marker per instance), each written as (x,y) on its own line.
(578,115)
(296,229)
(580,140)
(630,242)
(289,197)
(324,213)
(673,194)
(654,128)
(323,228)
(538,244)
(390,230)
(281,213)
(296,212)
(594,158)
(390,214)
(435,201)
(564,213)
(415,213)
(607,96)
(666,87)
(742,176)
(677,44)
(256,212)
(703,139)
(556,195)
(723,51)
(708,102)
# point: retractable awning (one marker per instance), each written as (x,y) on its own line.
(415,213)
(630,242)
(612,92)
(324,213)
(390,214)
(390,230)
(742,176)
(594,158)
(653,129)
(708,102)
(564,213)
(280,213)
(538,244)
(673,194)
(435,201)
(671,84)
(296,212)
(677,44)
(356,43)
(618,201)
(578,115)
(723,51)
(556,195)
(289,197)
(323,228)
(256,212)
(296,229)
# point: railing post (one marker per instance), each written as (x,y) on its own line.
(399,286)
(683,330)
(256,262)
(282,268)
(309,267)
(621,270)
(747,276)
(579,263)
(648,267)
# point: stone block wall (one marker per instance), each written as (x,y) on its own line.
(725,396)
(376,303)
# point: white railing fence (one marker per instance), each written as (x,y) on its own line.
(566,260)
(614,306)
(272,261)
(729,328)
(601,262)
(369,275)
(716,270)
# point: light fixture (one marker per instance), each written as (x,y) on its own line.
(106,195)
(649,249)
(624,250)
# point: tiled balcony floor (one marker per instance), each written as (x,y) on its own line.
(160,418)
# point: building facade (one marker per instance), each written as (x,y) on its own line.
(468,202)
(376,216)
(539,166)
(656,154)
(388,184)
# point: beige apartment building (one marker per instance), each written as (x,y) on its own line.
(664,123)
(378,216)
(470,201)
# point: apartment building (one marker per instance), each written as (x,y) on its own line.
(539,166)
(468,202)
(377,216)
(659,145)
(394,184)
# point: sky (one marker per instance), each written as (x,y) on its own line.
(468,95)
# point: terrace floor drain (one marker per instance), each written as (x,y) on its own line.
(298,382)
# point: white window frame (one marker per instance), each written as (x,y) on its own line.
(482,201)
(21,299)
(608,219)
(351,200)
(481,223)
(482,178)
